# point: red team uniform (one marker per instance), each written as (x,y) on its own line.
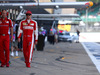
(4,40)
(30,36)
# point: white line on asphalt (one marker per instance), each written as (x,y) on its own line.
(94,53)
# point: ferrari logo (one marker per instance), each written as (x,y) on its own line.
(7,21)
(32,24)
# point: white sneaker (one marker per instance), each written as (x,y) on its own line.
(12,54)
(16,53)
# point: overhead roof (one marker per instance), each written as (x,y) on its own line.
(52,16)
(16,0)
(47,5)
(31,6)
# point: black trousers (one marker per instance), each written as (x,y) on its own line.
(51,39)
(41,43)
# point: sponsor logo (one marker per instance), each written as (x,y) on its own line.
(24,23)
(7,21)
(32,24)
(28,27)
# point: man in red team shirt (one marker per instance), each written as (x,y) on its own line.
(30,36)
(5,24)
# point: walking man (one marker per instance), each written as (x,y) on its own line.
(5,24)
(30,37)
(14,44)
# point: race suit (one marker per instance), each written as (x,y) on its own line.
(30,36)
(4,39)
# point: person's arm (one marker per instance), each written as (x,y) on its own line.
(11,30)
(36,32)
(19,31)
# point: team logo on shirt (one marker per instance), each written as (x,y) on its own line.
(7,21)
(27,27)
(24,23)
(32,24)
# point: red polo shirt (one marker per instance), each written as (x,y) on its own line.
(5,25)
(28,28)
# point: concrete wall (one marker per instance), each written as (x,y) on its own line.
(68,10)
(60,11)
(57,11)
(45,0)
(64,10)
(49,10)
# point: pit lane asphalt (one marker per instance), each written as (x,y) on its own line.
(59,59)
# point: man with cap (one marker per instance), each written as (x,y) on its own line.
(5,24)
(30,37)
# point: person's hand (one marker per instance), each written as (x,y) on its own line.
(18,39)
(35,43)
(14,32)
(11,39)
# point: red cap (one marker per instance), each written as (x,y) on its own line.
(28,12)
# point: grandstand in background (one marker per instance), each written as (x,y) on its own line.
(93,18)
